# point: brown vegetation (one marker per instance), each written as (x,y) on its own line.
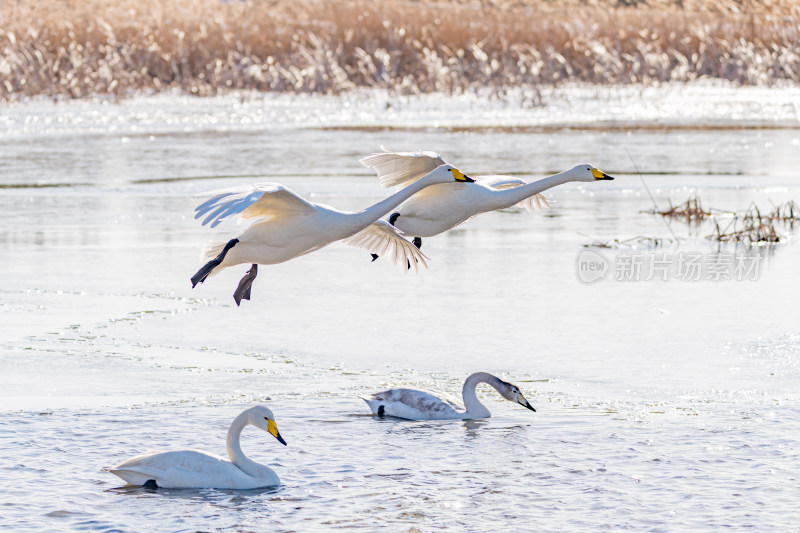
(787,212)
(692,211)
(751,232)
(650,242)
(754,228)
(750,227)
(77,48)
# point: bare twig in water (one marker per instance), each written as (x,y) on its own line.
(692,211)
(788,212)
(749,228)
(651,242)
(647,189)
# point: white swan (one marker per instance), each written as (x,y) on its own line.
(418,405)
(288,226)
(445,206)
(196,469)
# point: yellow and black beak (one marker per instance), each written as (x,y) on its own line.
(523,402)
(460,176)
(272,427)
(600,175)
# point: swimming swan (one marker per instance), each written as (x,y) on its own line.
(196,469)
(418,405)
(445,206)
(287,226)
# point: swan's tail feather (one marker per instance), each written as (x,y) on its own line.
(211,250)
(375,406)
(131,477)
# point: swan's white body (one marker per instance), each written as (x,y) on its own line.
(198,469)
(288,226)
(443,207)
(420,405)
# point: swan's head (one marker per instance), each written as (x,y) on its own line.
(446,174)
(511,392)
(587,173)
(261,417)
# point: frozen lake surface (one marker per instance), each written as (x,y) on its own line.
(661,405)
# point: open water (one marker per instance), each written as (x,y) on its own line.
(662,404)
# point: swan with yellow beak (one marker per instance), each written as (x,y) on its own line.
(194,469)
(442,207)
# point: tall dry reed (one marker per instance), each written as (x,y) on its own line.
(78,48)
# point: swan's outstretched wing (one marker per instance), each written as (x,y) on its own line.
(383,239)
(401,169)
(500,181)
(535,202)
(263,200)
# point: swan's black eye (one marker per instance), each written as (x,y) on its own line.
(266,418)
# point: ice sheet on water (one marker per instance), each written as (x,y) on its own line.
(694,105)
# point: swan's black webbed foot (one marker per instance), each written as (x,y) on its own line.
(150,484)
(381,410)
(203,273)
(242,292)
(374,256)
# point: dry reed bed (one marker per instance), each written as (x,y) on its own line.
(754,228)
(752,231)
(80,48)
(751,227)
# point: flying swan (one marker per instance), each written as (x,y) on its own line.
(288,226)
(418,405)
(194,469)
(445,206)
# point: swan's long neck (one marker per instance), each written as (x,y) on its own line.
(509,197)
(474,408)
(364,218)
(235,452)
